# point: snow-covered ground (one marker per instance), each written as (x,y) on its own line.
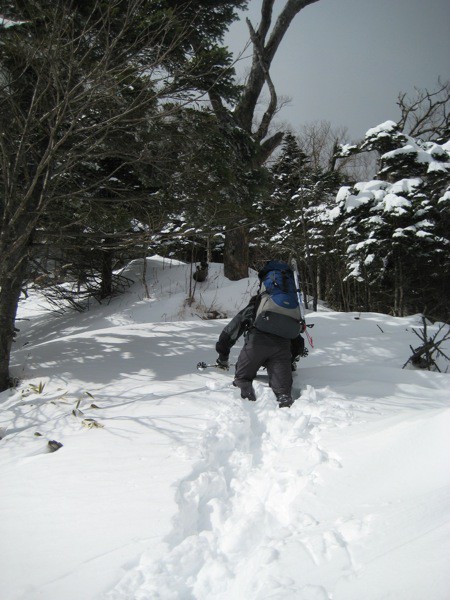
(169,486)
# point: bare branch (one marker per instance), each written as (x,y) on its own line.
(427,114)
(269,145)
(271,109)
(245,110)
(423,357)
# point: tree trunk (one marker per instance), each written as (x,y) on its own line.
(107,275)
(398,289)
(235,254)
(316,288)
(15,240)
(265,45)
(11,284)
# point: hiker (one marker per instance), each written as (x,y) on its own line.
(272,336)
(201,272)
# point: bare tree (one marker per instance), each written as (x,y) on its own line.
(259,144)
(427,114)
(318,140)
(321,142)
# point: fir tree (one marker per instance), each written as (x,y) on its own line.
(395,229)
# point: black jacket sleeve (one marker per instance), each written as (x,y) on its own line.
(235,328)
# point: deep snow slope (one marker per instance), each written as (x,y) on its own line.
(169,486)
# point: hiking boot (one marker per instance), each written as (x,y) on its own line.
(247,392)
(284,401)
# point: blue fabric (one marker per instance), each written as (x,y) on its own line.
(279,283)
(271,265)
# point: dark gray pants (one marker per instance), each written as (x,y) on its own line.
(265,350)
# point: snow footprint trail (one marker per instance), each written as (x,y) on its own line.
(241,517)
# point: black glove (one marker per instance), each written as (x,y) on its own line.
(222,363)
(303,353)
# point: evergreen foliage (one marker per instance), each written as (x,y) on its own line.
(394,230)
(293,220)
(87,91)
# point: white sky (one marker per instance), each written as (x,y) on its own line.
(346,61)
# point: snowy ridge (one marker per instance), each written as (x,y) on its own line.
(186,492)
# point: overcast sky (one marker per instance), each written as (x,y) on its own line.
(346,61)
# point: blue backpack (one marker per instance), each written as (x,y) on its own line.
(278,311)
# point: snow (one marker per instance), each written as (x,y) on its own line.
(384,129)
(406,186)
(346,149)
(430,154)
(357,201)
(394,204)
(445,197)
(439,166)
(184,491)
(4,22)
(343,193)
